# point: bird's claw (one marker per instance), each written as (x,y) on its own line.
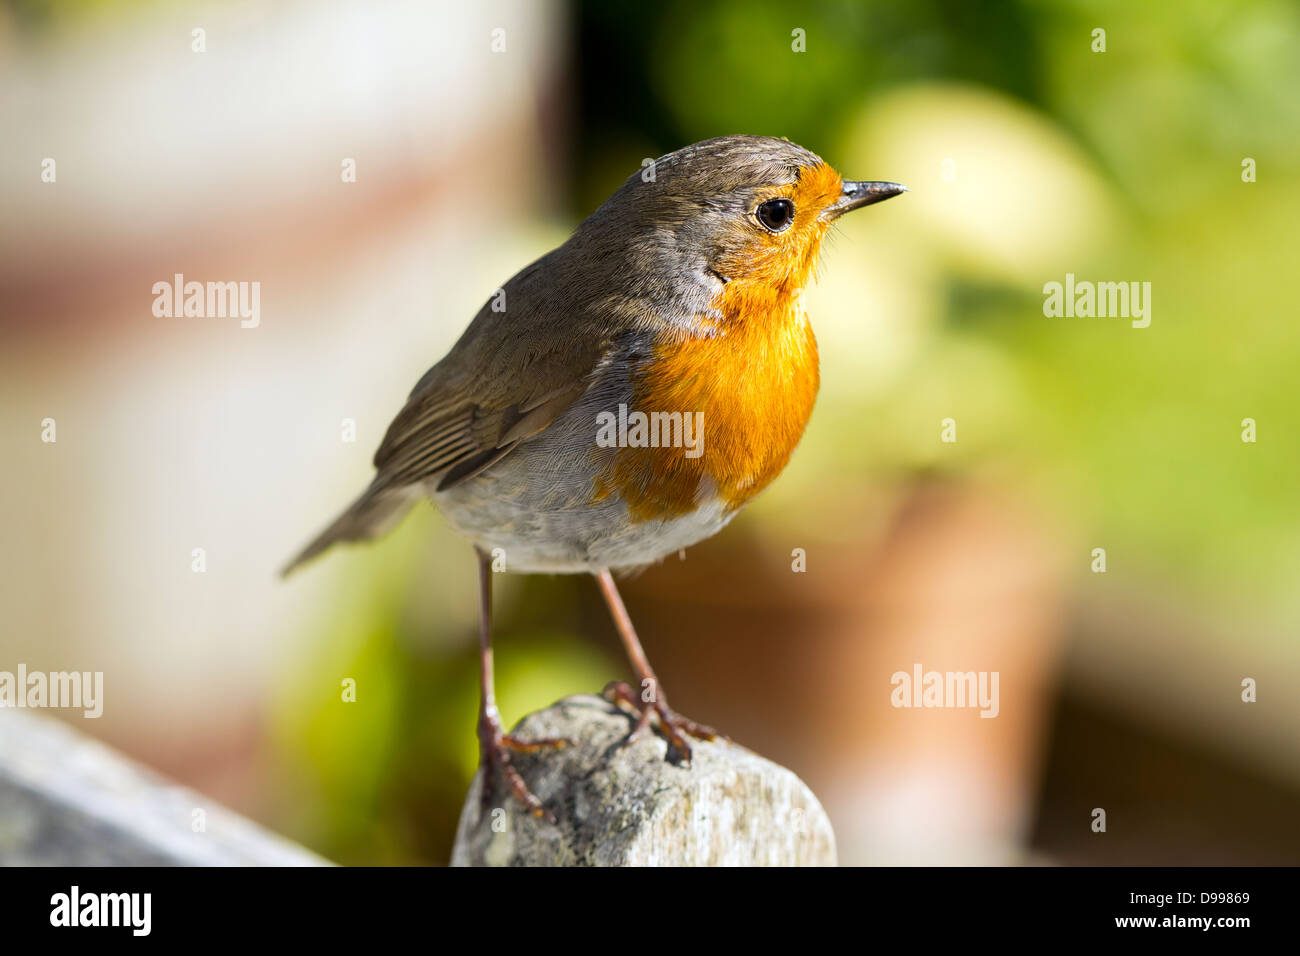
(495,749)
(672,725)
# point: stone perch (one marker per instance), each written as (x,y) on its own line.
(622,805)
(68,800)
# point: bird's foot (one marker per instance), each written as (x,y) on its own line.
(672,725)
(495,750)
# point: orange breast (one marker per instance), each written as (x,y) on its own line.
(755,384)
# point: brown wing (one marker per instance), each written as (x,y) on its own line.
(444,431)
(453,430)
(507,378)
(472,408)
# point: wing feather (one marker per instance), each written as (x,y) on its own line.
(447,431)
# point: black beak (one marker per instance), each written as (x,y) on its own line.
(856,195)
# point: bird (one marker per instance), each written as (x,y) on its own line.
(622,397)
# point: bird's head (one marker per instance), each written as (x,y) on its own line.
(748,209)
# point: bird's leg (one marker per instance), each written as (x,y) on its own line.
(495,746)
(651,701)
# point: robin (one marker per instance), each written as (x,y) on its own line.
(625,395)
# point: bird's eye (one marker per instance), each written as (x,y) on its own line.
(776,214)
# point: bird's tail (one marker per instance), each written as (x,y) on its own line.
(374,513)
